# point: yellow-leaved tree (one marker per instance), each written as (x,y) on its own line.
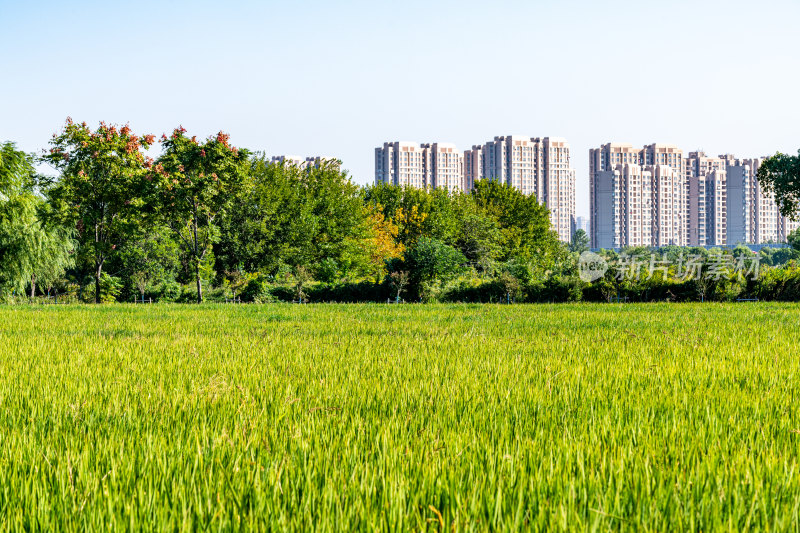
(382,239)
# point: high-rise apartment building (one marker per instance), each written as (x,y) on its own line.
(434,165)
(473,166)
(668,205)
(602,159)
(582,223)
(696,201)
(765,220)
(447,166)
(659,204)
(402,163)
(559,186)
(623,207)
(514,160)
(727,203)
(536,166)
(663,154)
(288,159)
(786,227)
(716,208)
(703,176)
(740,209)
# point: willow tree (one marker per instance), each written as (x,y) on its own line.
(101,187)
(31,247)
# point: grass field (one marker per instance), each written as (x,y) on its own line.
(360,417)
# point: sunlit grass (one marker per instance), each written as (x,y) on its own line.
(346,417)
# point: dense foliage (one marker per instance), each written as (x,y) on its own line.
(33,249)
(780,176)
(205,219)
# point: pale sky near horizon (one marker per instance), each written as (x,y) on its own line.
(340,78)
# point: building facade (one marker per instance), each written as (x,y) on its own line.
(288,159)
(623,207)
(446,166)
(559,186)
(697,201)
(514,160)
(430,165)
(402,163)
(727,203)
(650,191)
(704,175)
(668,205)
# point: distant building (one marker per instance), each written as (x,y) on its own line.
(446,168)
(313,161)
(787,226)
(647,206)
(704,177)
(582,223)
(697,201)
(434,165)
(623,207)
(753,210)
(516,161)
(668,205)
(605,159)
(289,159)
(727,205)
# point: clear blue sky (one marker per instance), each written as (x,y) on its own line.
(339,78)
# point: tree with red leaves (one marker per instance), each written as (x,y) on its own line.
(101,187)
(197,183)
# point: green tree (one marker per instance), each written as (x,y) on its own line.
(33,248)
(433,261)
(101,187)
(198,182)
(149,258)
(479,239)
(579,242)
(341,226)
(794,239)
(288,216)
(269,223)
(780,175)
(524,222)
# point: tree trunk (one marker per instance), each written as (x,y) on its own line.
(33,286)
(97,283)
(197,259)
(199,284)
(98,259)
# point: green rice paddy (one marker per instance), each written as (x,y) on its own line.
(652,417)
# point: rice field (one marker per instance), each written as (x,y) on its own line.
(403,418)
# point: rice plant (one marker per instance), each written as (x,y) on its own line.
(652,417)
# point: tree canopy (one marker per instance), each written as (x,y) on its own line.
(780,175)
(101,187)
(32,249)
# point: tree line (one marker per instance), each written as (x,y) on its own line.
(207,220)
(116,224)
